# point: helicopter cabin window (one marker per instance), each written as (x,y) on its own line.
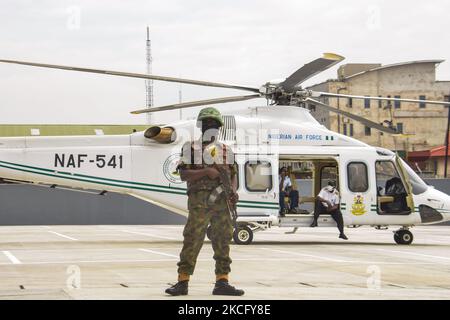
(357,177)
(391,192)
(388,102)
(258,176)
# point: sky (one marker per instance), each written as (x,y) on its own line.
(246,42)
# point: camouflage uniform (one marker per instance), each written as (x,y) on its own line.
(202,214)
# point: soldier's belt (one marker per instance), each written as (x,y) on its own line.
(215,194)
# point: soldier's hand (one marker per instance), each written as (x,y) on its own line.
(212,172)
(234,198)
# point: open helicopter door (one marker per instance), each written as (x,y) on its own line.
(407,182)
(258,186)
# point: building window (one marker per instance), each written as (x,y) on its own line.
(351,129)
(422,104)
(312,107)
(388,102)
(357,177)
(397,104)
(400,127)
(367,103)
(380,103)
(344,128)
(350,102)
(447,98)
(258,176)
(367,131)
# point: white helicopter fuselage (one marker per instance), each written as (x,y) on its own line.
(145,168)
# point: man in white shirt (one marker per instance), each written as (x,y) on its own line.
(285,188)
(328,202)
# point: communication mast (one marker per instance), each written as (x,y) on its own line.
(149,83)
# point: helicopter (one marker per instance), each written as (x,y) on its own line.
(263,138)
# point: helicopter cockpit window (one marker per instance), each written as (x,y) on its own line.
(357,177)
(390,184)
(388,179)
(258,176)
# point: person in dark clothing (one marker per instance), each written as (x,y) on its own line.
(286,190)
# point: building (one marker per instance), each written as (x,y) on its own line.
(422,126)
(430,163)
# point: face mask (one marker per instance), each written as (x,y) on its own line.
(210,130)
(330,188)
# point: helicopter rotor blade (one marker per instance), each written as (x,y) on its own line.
(310,69)
(133,75)
(364,121)
(196,103)
(338,95)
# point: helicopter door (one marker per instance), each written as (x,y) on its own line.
(393,193)
(408,186)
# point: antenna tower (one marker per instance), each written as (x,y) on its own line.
(149,82)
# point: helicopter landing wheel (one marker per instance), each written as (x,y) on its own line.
(243,235)
(403,237)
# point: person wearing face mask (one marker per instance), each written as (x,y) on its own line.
(207,203)
(328,202)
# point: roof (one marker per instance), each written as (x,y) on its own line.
(427,154)
(21,130)
(401,64)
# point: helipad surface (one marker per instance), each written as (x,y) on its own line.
(138,262)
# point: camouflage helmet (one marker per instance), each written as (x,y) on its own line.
(211,113)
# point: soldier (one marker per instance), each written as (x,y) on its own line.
(207,204)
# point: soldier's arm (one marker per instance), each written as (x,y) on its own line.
(191,175)
(234,183)
(186,169)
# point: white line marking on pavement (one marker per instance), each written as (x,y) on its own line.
(161,253)
(64,236)
(11,257)
(209,259)
(304,254)
(148,235)
(415,254)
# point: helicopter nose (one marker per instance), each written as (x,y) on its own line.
(441,201)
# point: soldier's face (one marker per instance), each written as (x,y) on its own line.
(210,128)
